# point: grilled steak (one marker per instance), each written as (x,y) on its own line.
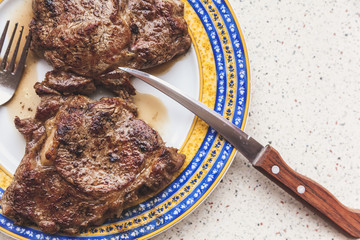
(68,83)
(93,37)
(84,161)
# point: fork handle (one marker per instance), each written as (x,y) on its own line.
(271,164)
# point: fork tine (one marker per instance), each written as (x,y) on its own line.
(4,34)
(12,63)
(21,65)
(3,62)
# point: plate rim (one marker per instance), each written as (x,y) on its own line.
(234,151)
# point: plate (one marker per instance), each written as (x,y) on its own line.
(215,71)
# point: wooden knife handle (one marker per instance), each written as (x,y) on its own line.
(313,193)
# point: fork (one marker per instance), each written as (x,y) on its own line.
(10,75)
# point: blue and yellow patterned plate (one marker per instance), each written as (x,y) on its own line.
(216,71)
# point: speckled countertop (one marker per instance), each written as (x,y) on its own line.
(305,86)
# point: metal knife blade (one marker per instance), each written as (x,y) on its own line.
(245,144)
(265,159)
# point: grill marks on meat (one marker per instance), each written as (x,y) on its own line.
(93,37)
(85,160)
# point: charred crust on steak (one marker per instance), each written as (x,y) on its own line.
(67,83)
(84,163)
(58,84)
(94,37)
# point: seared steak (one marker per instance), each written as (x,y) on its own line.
(84,161)
(68,83)
(93,37)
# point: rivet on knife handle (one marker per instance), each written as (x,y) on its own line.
(313,193)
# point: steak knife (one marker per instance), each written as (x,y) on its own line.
(264,158)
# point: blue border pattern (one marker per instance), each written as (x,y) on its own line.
(201,7)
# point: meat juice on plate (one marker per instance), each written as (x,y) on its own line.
(151,110)
(25,100)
